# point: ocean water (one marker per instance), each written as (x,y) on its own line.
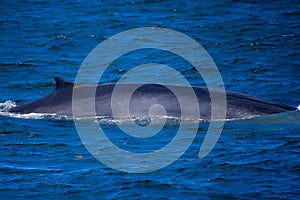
(255,45)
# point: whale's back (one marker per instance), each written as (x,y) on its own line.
(59,102)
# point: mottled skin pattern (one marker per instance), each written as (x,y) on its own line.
(239,106)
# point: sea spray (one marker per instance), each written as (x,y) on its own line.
(7,105)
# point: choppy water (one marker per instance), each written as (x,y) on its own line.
(256,47)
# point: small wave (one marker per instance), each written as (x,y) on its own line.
(7,105)
(15,64)
(32,169)
(298,107)
(141,121)
(29,116)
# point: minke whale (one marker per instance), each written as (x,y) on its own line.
(59,102)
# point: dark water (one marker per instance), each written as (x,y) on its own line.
(255,45)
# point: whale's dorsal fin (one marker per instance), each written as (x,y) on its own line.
(62,83)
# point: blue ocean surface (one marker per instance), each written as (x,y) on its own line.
(256,47)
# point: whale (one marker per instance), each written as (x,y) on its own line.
(59,102)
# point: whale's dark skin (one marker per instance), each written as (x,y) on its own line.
(59,102)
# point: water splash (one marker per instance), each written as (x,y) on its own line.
(7,105)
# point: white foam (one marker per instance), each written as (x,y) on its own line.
(7,105)
(28,116)
(298,107)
